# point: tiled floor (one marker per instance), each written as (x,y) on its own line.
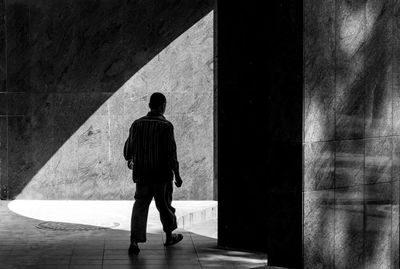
(22,245)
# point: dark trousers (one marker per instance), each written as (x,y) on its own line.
(162,194)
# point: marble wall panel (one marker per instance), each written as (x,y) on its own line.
(319,229)
(170,17)
(195,153)
(51,43)
(378,160)
(120,176)
(349,223)
(319,92)
(319,166)
(93,154)
(19,153)
(72,109)
(3,66)
(3,104)
(18,46)
(3,158)
(396,158)
(76,45)
(349,163)
(56,178)
(42,126)
(396,66)
(378,55)
(18,103)
(349,69)
(395,225)
(378,225)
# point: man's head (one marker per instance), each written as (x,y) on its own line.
(158,102)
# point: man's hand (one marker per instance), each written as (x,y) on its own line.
(130,164)
(178,181)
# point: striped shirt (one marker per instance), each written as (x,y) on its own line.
(151,145)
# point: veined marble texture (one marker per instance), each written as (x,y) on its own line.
(3,158)
(319,166)
(349,225)
(2,49)
(319,229)
(319,70)
(359,77)
(80,72)
(378,234)
(349,163)
(378,160)
(395,238)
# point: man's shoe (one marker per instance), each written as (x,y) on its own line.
(175,238)
(133,249)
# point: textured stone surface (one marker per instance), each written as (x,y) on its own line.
(378,160)
(319,80)
(349,224)
(3,158)
(378,55)
(366,154)
(319,167)
(395,239)
(80,72)
(378,226)
(2,48)
(319,229)
(349,163)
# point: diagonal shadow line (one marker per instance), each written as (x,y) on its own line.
(62,77)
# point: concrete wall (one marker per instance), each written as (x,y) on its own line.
(75,74)
(351,134)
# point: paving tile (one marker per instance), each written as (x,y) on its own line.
(152,251)
(86,262)
(82,252)
(126,266)
(87,257)
(151,246)
(213,265)
(116,251)
(186,266)
(133,261)
(249,265)
(116,256)
(85,266)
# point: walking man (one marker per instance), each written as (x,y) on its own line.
(150,151)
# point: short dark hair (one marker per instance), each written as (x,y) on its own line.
(156,100)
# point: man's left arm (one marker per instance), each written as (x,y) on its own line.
(128,147)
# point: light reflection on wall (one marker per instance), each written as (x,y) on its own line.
(351,142)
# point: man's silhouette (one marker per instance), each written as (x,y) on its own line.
(150,151)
